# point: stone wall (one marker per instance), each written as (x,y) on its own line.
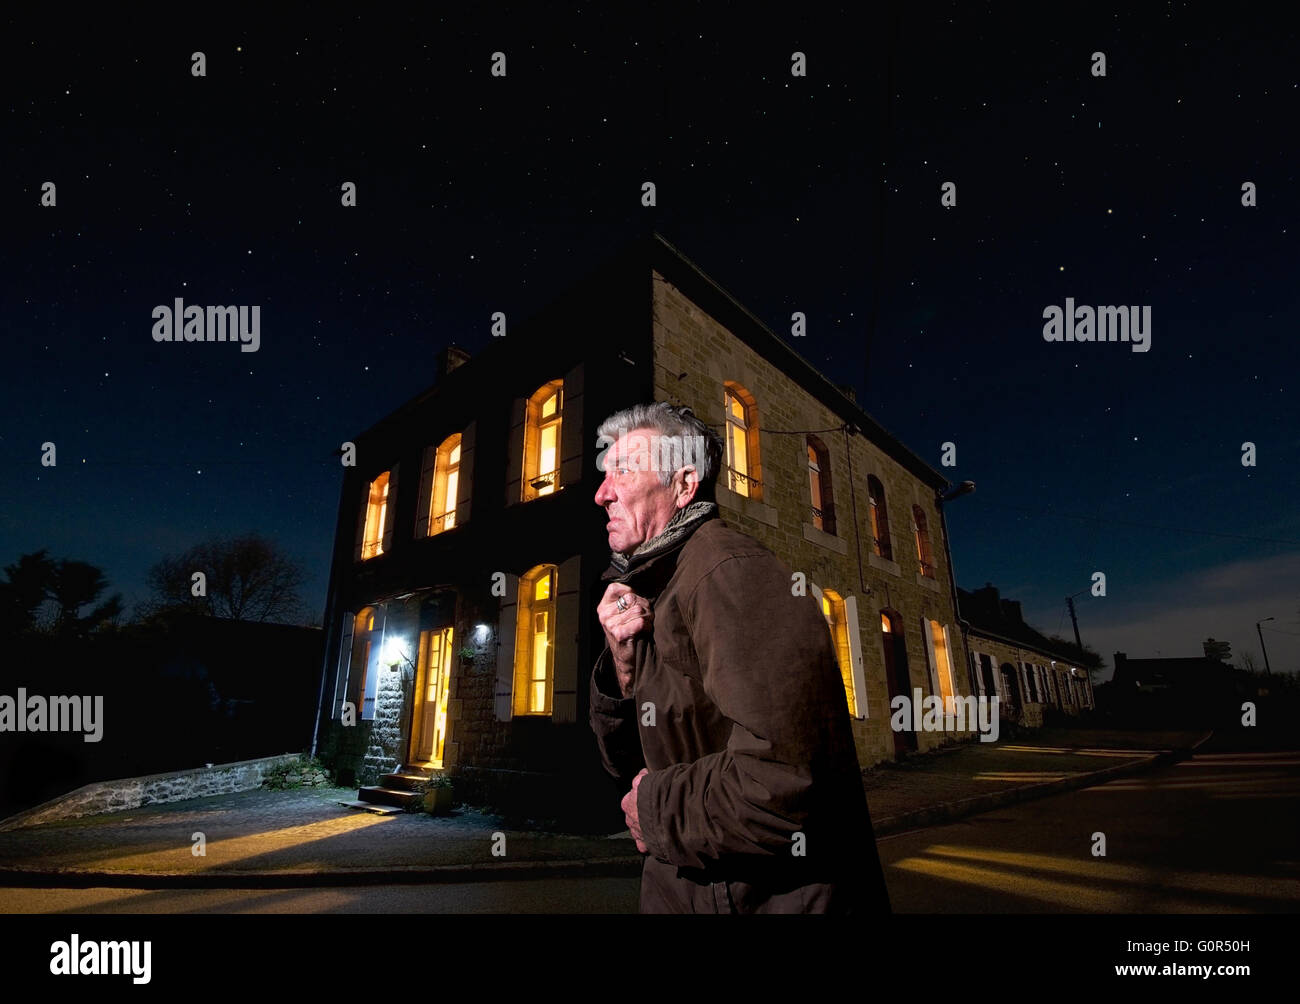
(386,748)
(133,792)
(688,341)
(1054,686)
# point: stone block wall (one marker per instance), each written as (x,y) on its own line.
(133,792)
(1064,692)
(689,341)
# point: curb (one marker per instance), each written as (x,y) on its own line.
(619,867)
(945,812)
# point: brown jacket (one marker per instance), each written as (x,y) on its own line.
(754,801)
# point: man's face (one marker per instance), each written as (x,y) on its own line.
(636,502)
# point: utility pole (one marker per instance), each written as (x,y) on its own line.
(1069,602)
(1258,631)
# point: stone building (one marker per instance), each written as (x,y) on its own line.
(461,625)
(1029,672)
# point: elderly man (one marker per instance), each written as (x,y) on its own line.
(718,698)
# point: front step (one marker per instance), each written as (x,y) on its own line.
(379,795)
(379,810)
(403,781)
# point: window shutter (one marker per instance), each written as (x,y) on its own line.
(390,514)
(571,437)
(951,660)
(506,621)
(344,665)
(929,651)
(465,482)
(568,619)
(515,451)
(855,651)
(373,665)
(361,519)
(428,469)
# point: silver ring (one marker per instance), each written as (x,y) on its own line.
(621,603)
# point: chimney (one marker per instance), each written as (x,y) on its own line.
(449,358)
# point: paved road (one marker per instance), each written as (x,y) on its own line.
(549,896)
(1218,833)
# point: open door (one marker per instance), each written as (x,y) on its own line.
(433,680)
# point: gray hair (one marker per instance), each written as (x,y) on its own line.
(682,440)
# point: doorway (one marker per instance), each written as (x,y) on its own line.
(432,683)
(897,675)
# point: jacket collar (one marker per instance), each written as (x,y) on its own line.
(661,550)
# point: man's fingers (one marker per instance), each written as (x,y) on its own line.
(613,592)
(612,597)
(626,630)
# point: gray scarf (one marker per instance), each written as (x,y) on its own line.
(683,523)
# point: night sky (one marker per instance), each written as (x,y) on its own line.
(820,193)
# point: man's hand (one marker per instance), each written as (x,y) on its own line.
(621,627)
(630,813)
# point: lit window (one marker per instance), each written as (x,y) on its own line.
(819,486)
(879,519)
(923,553)
(446,480)
(372,542)
(837,618)
(365,669)
(942,662)
(542,441)
(741,441)
(535,642)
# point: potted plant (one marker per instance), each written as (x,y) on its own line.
(437,795)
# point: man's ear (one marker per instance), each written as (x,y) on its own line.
(686,483)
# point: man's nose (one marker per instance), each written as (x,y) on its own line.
(603,493)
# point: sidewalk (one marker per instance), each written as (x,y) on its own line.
(962,780)
(304,838)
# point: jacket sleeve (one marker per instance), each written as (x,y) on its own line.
(613,719)
(767,662)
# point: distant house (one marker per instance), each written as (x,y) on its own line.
(1028,671)
(1190,691)
(461,625)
